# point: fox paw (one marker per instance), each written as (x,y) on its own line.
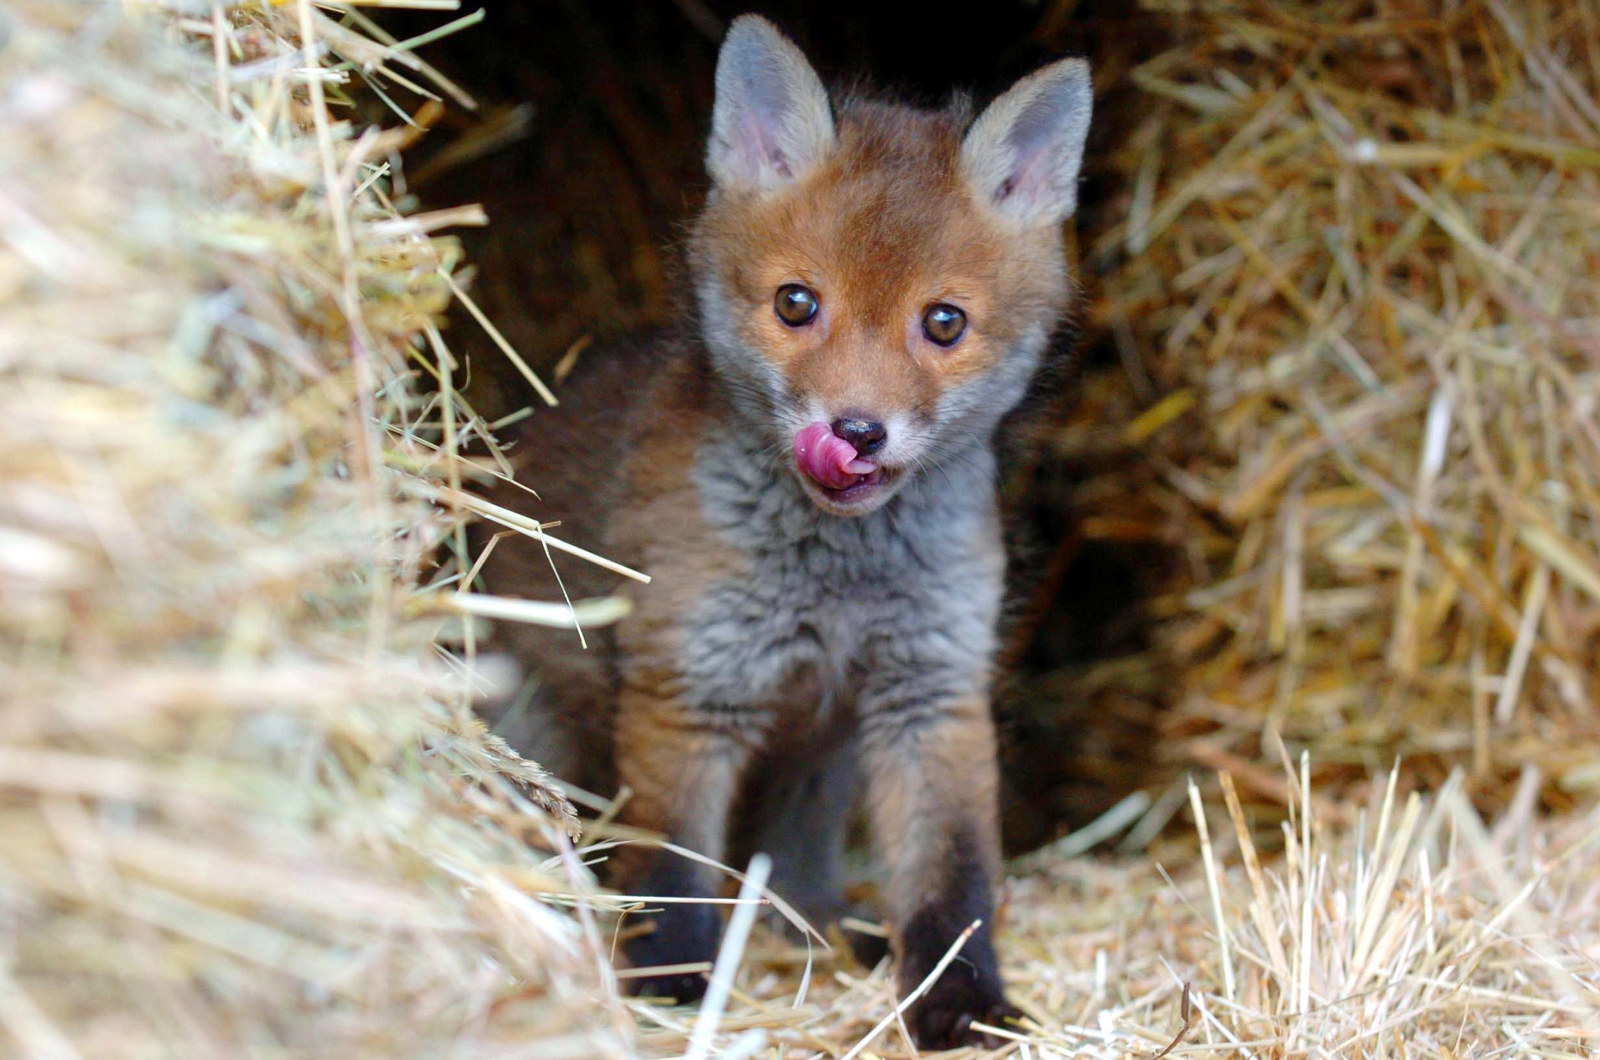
(943,1018)
(684,933)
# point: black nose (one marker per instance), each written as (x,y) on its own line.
(866,435)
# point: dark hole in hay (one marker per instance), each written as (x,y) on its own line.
(585,209)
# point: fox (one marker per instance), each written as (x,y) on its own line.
(807,468)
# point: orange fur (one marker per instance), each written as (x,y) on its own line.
(884,229)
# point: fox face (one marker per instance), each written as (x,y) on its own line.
(877,283)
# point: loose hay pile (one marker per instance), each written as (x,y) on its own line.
(1420,934)
(1353,284)
(245,809)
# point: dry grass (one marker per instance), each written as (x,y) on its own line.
(1418,933)
(247,810)
(1353,284)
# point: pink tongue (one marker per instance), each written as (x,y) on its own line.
(828,459)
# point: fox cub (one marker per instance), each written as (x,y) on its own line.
(808,473)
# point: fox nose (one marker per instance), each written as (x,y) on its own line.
(866,435)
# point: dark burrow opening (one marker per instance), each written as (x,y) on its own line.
(586,154)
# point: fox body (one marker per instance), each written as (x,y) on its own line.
(808,475)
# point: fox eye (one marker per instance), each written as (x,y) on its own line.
(943,324)
(795,304)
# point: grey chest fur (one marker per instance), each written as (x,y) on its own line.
(837,613)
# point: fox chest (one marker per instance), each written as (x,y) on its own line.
(809,626)
(784,636)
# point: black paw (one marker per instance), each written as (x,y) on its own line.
(684,933)
(943,1018)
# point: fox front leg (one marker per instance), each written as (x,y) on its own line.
(932,780)
(684,771)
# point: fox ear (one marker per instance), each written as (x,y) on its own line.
(1023,153)
(772,121)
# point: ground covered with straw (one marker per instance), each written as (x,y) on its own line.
(1418,933)
(246,807)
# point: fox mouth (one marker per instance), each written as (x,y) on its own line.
(864,486)
(864,495)
(836,476)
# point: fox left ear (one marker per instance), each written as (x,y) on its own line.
(1023,153)
(772,120)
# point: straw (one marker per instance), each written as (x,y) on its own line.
(247,809)
(1365,401)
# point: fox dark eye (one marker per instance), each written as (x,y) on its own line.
(943,324)
(795,304)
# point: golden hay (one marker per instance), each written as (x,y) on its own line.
(246,808)
(1354,288)
(1420,934)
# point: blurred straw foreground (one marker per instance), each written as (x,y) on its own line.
(247,811)
(245,807)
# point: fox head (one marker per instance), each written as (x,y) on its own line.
(877,283)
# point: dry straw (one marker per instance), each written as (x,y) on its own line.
(1354,288)
(1417,933)
(245,807)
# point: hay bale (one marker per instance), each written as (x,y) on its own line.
(1352,283)
(247,810)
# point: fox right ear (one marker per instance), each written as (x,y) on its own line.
(1021,157)
(772,121)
